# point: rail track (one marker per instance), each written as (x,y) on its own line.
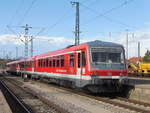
(15,104)
(115,100)
(24,96)
(132,105)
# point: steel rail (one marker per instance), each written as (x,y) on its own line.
(23,107)
(44,100)
(110,101)
(106,100)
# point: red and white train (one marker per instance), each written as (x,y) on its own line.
(97,65)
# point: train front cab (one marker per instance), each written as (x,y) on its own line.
(105,69)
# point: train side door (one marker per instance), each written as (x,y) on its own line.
(32,65)
(79,64)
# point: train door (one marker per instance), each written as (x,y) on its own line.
(78,68)
(79,64)
(32,64)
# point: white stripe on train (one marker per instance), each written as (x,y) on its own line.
(83,77)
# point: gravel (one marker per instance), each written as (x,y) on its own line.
(73,103)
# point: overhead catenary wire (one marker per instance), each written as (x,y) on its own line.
(60,20)
(83,1)
(16,12)
(27,11)
(117,7)
(106,12)
(91,3)
(10,29)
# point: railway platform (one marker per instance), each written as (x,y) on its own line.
(4,107)
(140,89)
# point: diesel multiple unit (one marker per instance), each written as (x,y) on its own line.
(96,65)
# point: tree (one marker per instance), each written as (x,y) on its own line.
(147,56)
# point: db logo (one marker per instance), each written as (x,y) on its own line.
(109,73)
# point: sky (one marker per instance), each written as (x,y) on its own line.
(53,24)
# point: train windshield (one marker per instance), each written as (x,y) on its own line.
(104,56)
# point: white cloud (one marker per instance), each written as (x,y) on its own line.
(9,39)
(44,44)
(142,36)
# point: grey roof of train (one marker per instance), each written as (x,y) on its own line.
(103,43)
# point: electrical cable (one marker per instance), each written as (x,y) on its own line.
(106,12)
(27,11)
(60,20)
(64,15)
(16,12)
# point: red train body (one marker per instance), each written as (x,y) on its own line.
(99,66)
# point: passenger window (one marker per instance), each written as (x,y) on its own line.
(38,63)
(53,62)
(41,62)
(83,59)
(50,62)
(62,61)
(44,62)
(30,64)
(47,62)
(79,55)
(57,62)
(71,60)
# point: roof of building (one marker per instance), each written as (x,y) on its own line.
(134,60)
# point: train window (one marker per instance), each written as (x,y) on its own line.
(28,64)
(41,63)
(47,62)
(71,60)
(38,63)
(54,62)
(25,64)
(62,61)
(57,62)
(50,62)
(44,63)
(79,55)
(83,59)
